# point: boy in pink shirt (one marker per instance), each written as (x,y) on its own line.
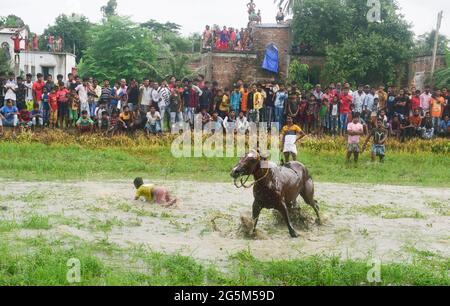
(355,130)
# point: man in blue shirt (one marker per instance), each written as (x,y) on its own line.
(445,127)
(9,116)
(280,106)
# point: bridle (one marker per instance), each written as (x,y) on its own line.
(243,182)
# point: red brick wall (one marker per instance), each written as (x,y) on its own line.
(265,34)
(227,68)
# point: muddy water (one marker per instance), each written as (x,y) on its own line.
(360,220)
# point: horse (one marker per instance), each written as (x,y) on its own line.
(275,187)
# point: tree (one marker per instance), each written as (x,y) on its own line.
(442,76)
(160,28)
(109,9)
(5,63)
(425,43)
(12,21)
(117,48)
(74,31)
(356,49)
(298,73)
(318,23)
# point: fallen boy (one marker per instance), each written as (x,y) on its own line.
(151,193)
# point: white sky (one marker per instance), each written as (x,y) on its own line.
(193,15)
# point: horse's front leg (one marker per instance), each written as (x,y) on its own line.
(282,208)
(257,207)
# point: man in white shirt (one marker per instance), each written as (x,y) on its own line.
(145,96)
(242,125)
(425,100)
(358,100)
(10,88)
(164,91)
(153,125)
(369,102)
(29,100)
(83,90)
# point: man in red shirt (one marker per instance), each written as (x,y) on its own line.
(37,88)
(16,39)
(346,100)
(415,101)
(53,101)
(63,105)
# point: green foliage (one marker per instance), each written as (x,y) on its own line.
(12,21)
(117,48)
(161,28)
(74,31)
(316,24)
(369,59)
(298,73)
(41,262)
(442,76)
(425,43)
(356,50)
(5,63)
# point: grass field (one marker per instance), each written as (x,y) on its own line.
(28,256)
(38,261)
(41,162)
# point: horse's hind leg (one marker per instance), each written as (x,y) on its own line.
(282,208)
(308,196)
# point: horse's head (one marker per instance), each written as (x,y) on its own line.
(247,165)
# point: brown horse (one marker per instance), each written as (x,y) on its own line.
(276,187)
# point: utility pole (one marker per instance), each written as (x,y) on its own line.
(436,41)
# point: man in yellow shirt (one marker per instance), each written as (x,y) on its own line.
(258,103)
(290,135)
(152,193)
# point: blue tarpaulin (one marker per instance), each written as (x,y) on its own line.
(271,58)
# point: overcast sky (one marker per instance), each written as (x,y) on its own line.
(193,15)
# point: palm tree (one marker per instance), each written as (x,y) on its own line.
(288,5)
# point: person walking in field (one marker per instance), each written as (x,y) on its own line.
(290,135)
(355,130)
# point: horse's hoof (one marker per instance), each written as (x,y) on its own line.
(318,222)
(294,234)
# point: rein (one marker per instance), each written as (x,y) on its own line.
(243,182)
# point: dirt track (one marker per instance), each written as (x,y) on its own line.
(360,220)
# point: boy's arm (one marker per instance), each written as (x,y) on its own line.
(301,135)
(138,195)
(366,142)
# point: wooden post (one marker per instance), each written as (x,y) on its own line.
(436,41)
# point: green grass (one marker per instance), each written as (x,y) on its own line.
(36,222)
(387,212)
(46,163)
(442,209)
(40,262)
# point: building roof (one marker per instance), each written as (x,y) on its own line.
(11,30)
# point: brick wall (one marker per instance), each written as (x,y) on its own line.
(228,67)
(265,34)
